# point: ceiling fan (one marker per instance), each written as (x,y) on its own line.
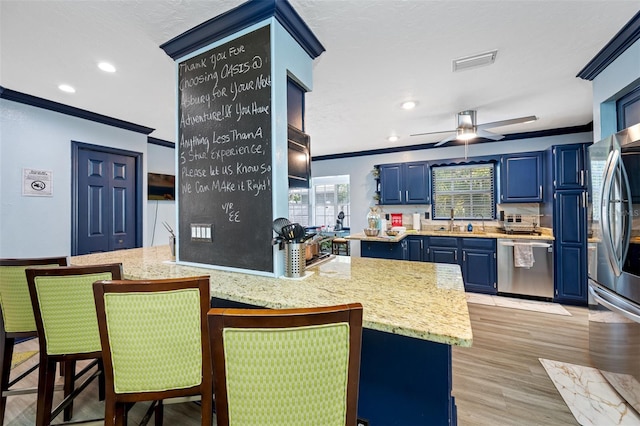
(468,128)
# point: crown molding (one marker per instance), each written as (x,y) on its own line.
(628,35)
(242,17)
(514,136)
(23,98)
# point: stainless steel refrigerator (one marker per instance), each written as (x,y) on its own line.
(614,261)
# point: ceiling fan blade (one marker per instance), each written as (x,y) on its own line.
(433,133)
(507,122)
(489,135)
(443,141)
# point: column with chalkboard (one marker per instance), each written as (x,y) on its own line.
(224,156)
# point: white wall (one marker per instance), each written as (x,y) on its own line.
(621,76)
(160,159)
(362,184)
(41,139)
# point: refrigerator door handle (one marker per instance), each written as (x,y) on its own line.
(615,303)
(609,181)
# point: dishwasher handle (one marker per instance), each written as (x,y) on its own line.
(512,243)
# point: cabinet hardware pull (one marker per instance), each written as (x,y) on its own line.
(540,192)
(464,256)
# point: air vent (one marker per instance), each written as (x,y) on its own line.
(481,59)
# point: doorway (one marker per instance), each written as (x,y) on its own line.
(106,199)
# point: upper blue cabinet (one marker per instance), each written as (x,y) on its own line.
(405,183)
(569,166)
(521,178)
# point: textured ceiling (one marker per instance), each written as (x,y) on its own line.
(378,54)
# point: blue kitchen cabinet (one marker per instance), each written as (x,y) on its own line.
(569,171)
(405,183)
(417,247)
(383,250)
(479,264)
(391,188)
(521,178)
(443,250)
(476,256)
(570,246)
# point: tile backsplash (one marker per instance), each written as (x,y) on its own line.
(530,211)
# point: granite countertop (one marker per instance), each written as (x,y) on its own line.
(490,233)
(416,299)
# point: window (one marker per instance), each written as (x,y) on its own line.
(320,205)
(299,206)
(467,189)
(330,197)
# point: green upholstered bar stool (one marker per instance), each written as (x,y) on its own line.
(65,314)
(17,319)
(155,344)
(286,366)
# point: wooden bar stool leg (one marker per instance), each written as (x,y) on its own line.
(46,382)
(5,364)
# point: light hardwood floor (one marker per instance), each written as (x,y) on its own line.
(498,381)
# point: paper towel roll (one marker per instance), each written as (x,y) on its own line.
(416,221)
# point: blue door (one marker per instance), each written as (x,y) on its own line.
(107,208)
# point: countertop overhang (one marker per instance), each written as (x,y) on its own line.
(416,299)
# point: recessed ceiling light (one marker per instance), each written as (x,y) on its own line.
(409,105)
(66,88)
(393,138)
(106,67)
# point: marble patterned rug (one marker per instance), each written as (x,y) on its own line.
(591,399)
(514,303)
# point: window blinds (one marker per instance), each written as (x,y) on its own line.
(467,189)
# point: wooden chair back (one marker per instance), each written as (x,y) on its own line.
(154,338)
(17,320)
(286,366)
(65,315)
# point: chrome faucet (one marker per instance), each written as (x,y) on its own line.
(451,222)
(482,217)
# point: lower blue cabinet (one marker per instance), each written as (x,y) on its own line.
(382,250)
(479,265)
(476,256)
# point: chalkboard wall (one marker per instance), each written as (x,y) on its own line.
(224,148)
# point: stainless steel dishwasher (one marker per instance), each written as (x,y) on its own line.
(536,280)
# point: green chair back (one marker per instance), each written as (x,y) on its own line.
(286,367)
(64,306)
(15,302)
(154,340)
(155,344)
(287,377)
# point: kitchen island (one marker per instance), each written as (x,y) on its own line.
(413,313)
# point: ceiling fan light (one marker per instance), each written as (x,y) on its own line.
(465,134)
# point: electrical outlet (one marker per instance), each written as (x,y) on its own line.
(362,422)
(202,232)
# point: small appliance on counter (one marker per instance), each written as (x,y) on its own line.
(516,223)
